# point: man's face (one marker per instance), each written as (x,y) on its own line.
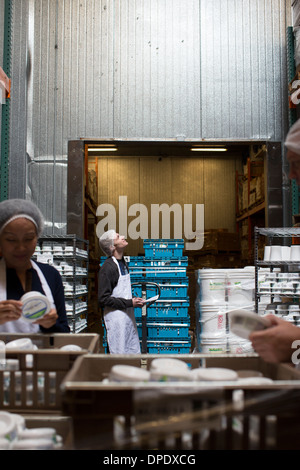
(120,242)
(294,161)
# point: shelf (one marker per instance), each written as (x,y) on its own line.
(69,255)
(277,263)
(251,212)
(279,232)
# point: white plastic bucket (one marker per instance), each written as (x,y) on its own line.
(240,287)
(215,344)
(213,285)
(212,318)
(237,345)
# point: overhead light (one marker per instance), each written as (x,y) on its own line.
(209,149)
(105,148)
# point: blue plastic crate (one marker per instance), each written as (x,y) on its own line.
(168,347)
(165,331)
(173,289)
(169,289)
(174,310)
(163,248)
(165,268)
(134,261)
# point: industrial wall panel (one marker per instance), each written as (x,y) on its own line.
(136,69)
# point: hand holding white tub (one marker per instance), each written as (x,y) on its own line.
(274,344)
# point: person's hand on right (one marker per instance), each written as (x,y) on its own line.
(274,344)
(10,310)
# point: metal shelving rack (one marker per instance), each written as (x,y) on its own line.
(273,233)
(74,251)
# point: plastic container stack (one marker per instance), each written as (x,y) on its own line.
(168,320)
(220,291)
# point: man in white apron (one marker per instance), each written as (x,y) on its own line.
(115,297)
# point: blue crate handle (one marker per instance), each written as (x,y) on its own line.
(144,283)
(144,312)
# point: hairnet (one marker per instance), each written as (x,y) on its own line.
(292,141)
(12,209)
(106,242)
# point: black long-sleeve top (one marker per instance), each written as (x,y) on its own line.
(15,291)
(107,280)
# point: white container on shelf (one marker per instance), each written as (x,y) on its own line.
(275,253)
(213,343)
(238,345)
(213,285)
(212,318)
(241,287)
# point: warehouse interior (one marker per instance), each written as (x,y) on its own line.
(164,121)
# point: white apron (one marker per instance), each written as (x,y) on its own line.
(20,325)
(122,334)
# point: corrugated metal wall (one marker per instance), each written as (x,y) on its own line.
(136,69)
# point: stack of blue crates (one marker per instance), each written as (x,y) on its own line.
(168,320)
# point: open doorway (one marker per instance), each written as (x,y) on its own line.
(125,176)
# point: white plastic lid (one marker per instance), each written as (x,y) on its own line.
(168,363)
(124,373)
(255,381)
(21,343)
(4,443)
(7,425)
(243,322)
(37,433)
(215,373)
(35,306)
(70,347)
(33,444)
(170,374)
(19,420)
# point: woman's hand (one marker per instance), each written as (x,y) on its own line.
(10,310)
(49,319)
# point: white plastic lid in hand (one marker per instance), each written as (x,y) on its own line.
(244,322)
(35,306)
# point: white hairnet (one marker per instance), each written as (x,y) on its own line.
(12,209)
(292,141)
(106,242)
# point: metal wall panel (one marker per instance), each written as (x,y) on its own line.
(136,69)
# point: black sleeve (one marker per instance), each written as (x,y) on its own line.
(108,279)
(57,289)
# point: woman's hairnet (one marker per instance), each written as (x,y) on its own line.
(106,242)
(12,209)
(292,141)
